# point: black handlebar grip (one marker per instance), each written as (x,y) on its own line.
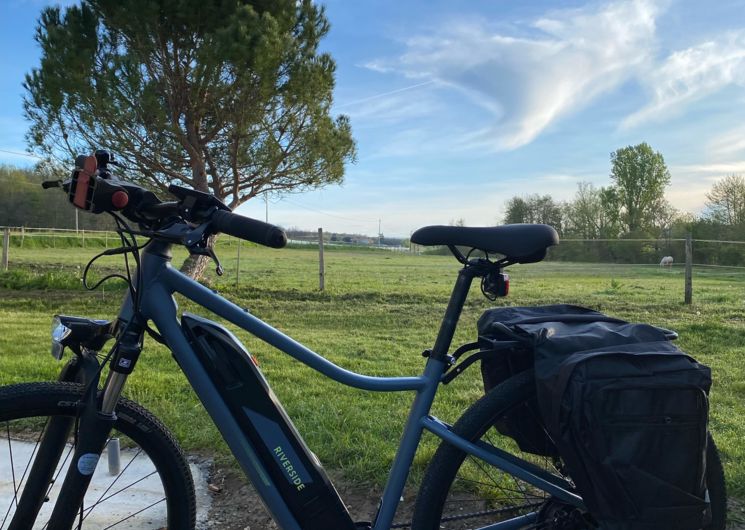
(248,229)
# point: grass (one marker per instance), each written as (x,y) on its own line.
(379,311)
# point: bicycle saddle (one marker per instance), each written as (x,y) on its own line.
(519,243)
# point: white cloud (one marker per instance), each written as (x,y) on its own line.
(392,108)
(715,169)
(691,74)
(728,143)
(527,83)
(691,182)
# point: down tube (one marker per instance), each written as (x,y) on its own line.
(161,309)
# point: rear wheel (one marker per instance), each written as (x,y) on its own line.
(150,488)
(460,492)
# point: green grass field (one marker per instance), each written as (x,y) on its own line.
(379,311)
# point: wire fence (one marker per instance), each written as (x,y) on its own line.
(600,255)
(706,252)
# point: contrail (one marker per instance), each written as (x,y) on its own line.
(389,93)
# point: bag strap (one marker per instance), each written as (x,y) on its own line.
(459,368)
(562,318)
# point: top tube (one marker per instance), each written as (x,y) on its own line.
(158,273)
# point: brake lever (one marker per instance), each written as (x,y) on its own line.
(218,266)
(196,241)
(203,250)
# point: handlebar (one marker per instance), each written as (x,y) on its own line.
(98,192)
(249,229)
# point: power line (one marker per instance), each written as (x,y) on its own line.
(30,155)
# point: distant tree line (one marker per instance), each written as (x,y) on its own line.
(23,202)
(345,238)
(633,206)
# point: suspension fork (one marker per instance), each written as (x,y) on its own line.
(81,369)
(94,424)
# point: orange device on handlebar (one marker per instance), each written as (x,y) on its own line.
(92,189)
(83,182)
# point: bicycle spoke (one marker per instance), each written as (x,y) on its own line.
(501,488)
(13,474)
(514,479)
(99,500)
(135,514)
(130,485)
(42,426)
(31,458)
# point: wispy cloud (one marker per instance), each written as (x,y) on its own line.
(691,182)
(728,143)
(392,107)
(526,83)
(716,169)
(691,74)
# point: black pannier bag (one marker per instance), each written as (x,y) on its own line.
(504,355)
(626,409)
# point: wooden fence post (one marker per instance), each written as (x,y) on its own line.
(321,269)
(6,247)
(238,263)
(689,270)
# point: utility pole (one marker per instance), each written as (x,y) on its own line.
(321,266)
(379,233)
(266,206)
(76,220)
(238,263)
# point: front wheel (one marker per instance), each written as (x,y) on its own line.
(149,487)
(461,492)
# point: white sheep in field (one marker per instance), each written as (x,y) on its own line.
(667,261)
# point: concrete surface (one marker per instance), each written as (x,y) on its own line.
(115,504)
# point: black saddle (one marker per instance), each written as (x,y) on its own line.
(519,243)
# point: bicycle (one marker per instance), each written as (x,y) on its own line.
(67,428)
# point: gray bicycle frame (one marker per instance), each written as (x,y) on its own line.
(159,281)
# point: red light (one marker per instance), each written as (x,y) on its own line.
(119,199)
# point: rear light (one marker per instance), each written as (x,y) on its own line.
(495,285)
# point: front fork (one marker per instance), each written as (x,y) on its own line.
(93,426)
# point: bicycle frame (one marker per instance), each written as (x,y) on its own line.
(160,281)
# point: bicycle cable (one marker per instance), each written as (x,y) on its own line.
(127,248)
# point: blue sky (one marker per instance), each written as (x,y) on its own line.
(457,106)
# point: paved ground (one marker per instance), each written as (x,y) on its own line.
(137,488)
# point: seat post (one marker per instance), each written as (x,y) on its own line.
(452,314)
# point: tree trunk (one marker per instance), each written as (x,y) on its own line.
(195,265)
